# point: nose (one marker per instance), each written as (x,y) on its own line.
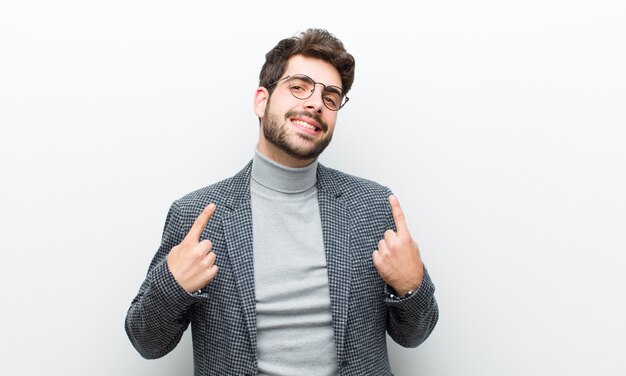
(315,101)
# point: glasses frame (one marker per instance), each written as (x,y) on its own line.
(343,101)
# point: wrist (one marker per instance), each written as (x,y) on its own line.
(410,286)
(406,291)
(401,296)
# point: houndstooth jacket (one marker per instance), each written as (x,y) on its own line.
(354,213)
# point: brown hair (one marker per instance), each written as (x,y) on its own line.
(316,43)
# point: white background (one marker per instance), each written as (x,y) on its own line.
(500,125)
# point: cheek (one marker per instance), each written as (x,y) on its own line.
(331,121)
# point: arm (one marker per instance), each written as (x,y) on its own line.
(413,310)
(159,314)
(412,319)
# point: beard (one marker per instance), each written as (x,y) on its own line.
(277,132)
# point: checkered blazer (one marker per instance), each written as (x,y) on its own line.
(354,213)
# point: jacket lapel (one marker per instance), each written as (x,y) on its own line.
(336,232)
(237,222)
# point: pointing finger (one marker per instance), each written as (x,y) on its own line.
(398,215)
(200,223)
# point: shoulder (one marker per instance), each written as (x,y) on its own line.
(225,192)
(366,201)
(353,188)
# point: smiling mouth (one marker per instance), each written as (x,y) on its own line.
(305,125)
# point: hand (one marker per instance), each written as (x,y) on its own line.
(397,258)
(191,262)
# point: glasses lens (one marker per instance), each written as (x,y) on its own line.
(301,86)
(332,97)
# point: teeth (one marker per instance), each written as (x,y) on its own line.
(304,124)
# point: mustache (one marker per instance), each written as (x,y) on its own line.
(312,115)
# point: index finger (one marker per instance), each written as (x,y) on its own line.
(398,215)
(200,223)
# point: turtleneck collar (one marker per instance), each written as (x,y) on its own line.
(281,178)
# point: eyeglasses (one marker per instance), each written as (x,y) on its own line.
(302,87)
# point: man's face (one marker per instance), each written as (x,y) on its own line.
(295,131)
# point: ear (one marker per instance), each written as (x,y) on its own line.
(261,97)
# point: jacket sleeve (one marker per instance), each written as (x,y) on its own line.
(412,319)
(159,314)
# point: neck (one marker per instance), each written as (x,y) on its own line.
(279,156)
(280,178)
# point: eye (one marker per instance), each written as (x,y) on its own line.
(300,86)
(330,100)
(332,97)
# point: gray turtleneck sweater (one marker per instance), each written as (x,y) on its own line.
(294,324)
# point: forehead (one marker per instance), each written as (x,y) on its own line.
(317,69)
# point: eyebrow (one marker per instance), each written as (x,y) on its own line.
(333,89)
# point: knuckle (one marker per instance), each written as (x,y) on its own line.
(212,273)
(375,260)
(206,245)
(394,246)
(198,253)
(208,260)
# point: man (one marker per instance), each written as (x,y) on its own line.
(288,267)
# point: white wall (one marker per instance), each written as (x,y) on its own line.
(500,125)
